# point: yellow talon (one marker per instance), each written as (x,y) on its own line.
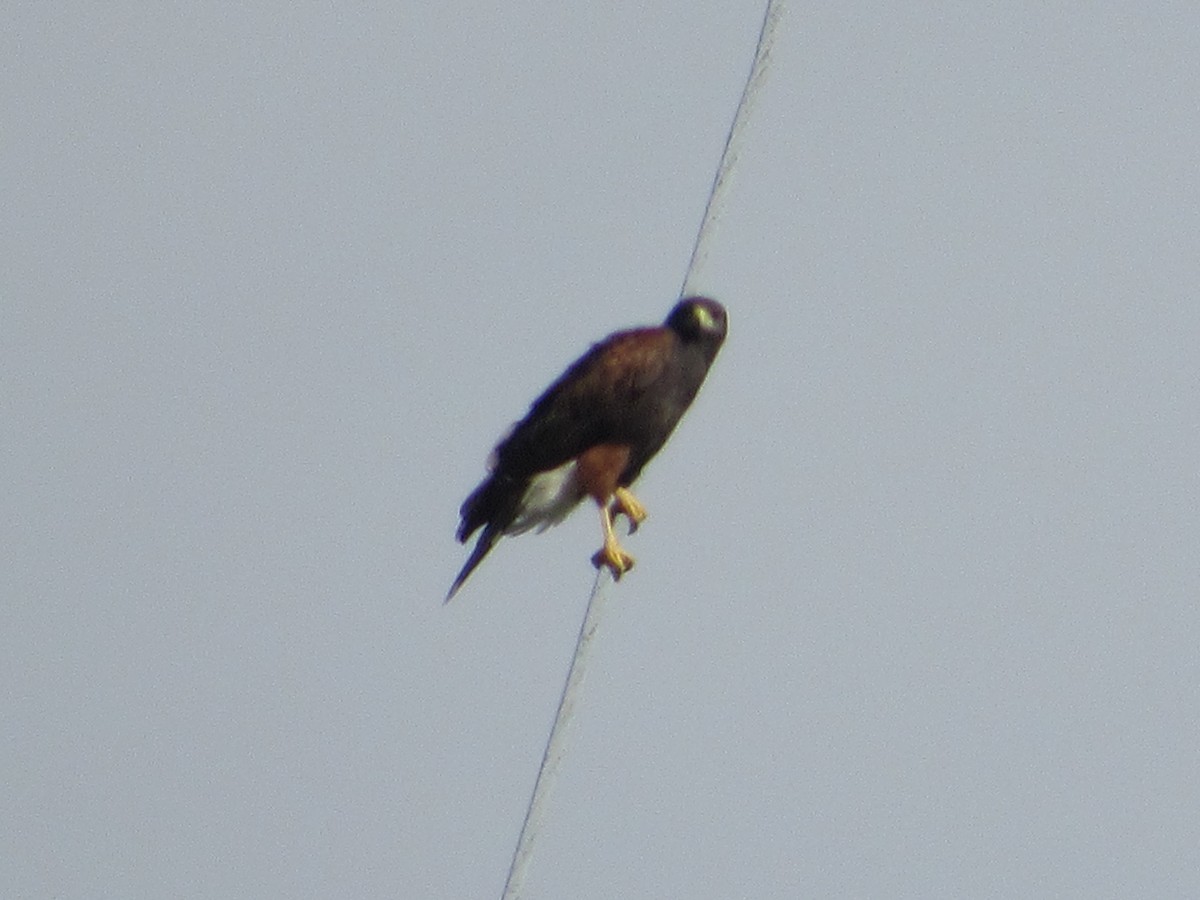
(617,560)
(624,503)
(611,555)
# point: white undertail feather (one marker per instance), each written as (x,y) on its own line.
(551,495)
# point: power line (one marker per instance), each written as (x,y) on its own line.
(556,745)
(729,155)
(597,602)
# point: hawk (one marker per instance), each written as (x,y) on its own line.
(592,431)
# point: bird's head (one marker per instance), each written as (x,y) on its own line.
(699,319)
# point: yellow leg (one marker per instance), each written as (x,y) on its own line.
(618,561)
(625,503)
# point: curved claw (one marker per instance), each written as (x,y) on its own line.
(614,558)
(624,503)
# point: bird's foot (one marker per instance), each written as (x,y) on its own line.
(624,503)
(614,558)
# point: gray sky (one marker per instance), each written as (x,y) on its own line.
(915,612)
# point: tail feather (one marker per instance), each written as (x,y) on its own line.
(494,502)
(482,546)
(492,506)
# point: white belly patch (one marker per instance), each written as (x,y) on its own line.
(548,499)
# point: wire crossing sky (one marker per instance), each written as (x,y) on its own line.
(733,140)
(556,744)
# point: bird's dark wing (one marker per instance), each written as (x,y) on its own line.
(585,406)
(579,410)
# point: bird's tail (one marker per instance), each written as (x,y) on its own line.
(486,539)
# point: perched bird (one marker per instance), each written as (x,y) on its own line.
(592,431)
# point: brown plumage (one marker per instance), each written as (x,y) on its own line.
(593,430)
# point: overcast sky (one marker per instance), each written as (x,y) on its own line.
(915,612)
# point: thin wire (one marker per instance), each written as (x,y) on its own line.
(597,602)
(722,179)
(556,745)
